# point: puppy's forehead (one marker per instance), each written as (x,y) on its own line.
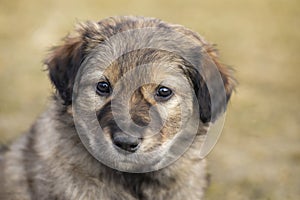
(145,65)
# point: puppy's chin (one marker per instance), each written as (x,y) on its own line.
(137,162)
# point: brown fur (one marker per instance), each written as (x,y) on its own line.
(50,161)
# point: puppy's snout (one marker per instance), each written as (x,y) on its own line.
(126,142)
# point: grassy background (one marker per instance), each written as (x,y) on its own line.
(258,154)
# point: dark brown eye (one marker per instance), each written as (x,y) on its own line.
(103,88)
(163,93)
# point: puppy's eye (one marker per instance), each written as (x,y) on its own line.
(103,88)
(163,93)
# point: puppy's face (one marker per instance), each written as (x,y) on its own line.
(137,99)
(142,99)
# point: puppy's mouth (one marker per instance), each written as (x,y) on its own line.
(137,161)
(129,153)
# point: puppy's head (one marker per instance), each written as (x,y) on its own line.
(140,89)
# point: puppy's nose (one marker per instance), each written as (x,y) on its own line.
(126,142)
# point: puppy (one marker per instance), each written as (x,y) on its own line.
(134,100)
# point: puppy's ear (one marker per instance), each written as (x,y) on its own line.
(208,74)
(63,64)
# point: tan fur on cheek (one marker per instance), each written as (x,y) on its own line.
(171,128)
(172,116)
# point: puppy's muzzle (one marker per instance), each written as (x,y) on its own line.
(126,142)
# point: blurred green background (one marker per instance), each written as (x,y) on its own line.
(258,154)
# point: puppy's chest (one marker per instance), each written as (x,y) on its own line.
(122,188)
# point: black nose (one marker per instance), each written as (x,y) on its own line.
(126,142)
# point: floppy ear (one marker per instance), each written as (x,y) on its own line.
(199,81)
(63,64)
(64,60)
(225,71)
